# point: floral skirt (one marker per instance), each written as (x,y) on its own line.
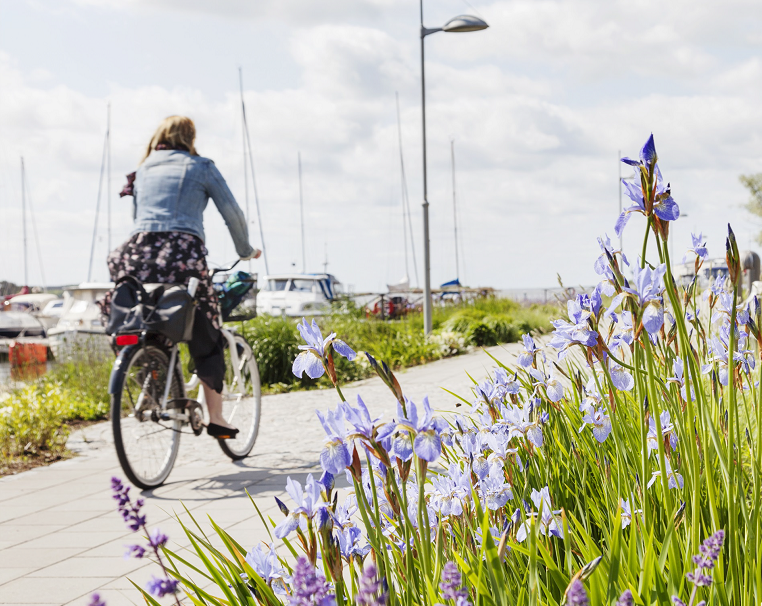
(166,257)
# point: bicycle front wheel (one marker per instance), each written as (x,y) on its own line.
(241,400)
(146,437)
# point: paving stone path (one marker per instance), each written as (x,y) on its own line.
(61,538)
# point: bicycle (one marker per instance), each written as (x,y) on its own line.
(150,407)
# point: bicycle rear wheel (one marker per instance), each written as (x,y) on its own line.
(146,440)
(241,401)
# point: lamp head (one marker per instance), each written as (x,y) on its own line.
(465,23)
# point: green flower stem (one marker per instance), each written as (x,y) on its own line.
(733,538)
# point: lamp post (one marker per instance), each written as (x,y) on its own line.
(462,23)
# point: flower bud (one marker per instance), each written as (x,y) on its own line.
(732,257)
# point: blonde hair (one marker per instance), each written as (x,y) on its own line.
(175,132)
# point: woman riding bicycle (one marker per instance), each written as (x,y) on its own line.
(170,190)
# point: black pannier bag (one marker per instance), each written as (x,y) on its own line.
(167,309)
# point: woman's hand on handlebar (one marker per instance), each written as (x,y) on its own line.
(255,254)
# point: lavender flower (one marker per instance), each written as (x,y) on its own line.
(706,559)
(308,588)
(370,591)
(96,600)
(626,599)
(450,584)
(135,551)
(576,594)
(161,587)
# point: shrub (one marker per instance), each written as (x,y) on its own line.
(32,421)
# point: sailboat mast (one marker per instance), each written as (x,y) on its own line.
(108,176)
(301,212)
(243,139)
(97,208)
(253,175)
(454,209)
(23,219)
(619,155)
(405,199)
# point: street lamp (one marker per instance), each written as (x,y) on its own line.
(461,23)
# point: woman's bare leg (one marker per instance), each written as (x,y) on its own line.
(214,404)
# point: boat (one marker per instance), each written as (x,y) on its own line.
(16,324)
(80,330)
(297,294)
(45,307)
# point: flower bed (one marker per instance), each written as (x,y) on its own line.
(620,464)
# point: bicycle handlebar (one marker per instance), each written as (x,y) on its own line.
(224,269)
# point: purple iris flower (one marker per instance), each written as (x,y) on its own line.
(621,379)
(576,594)
(528,352)
(664,206)
(667,430)
(498,442)
(471,443)
(576,331)
(601,424)
(548,521)
(592,397)
(678,367)
(674,479)
(350,543)
(359,418)
(335,456)
(517,420)
(601,265)
(626,334)
(627,512)
(719,349)
(698,248)
(649,285)
(427,443)
(447,493)
(266,564)
(308,501)
(312,358)
(495,492)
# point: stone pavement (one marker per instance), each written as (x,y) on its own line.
(60,535)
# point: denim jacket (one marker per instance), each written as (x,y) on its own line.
(171,191)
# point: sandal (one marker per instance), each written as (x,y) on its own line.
(220,432)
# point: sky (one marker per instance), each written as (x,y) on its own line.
(539,107)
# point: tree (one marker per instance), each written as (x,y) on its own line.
(754,184)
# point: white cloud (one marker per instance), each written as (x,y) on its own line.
(538,106)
